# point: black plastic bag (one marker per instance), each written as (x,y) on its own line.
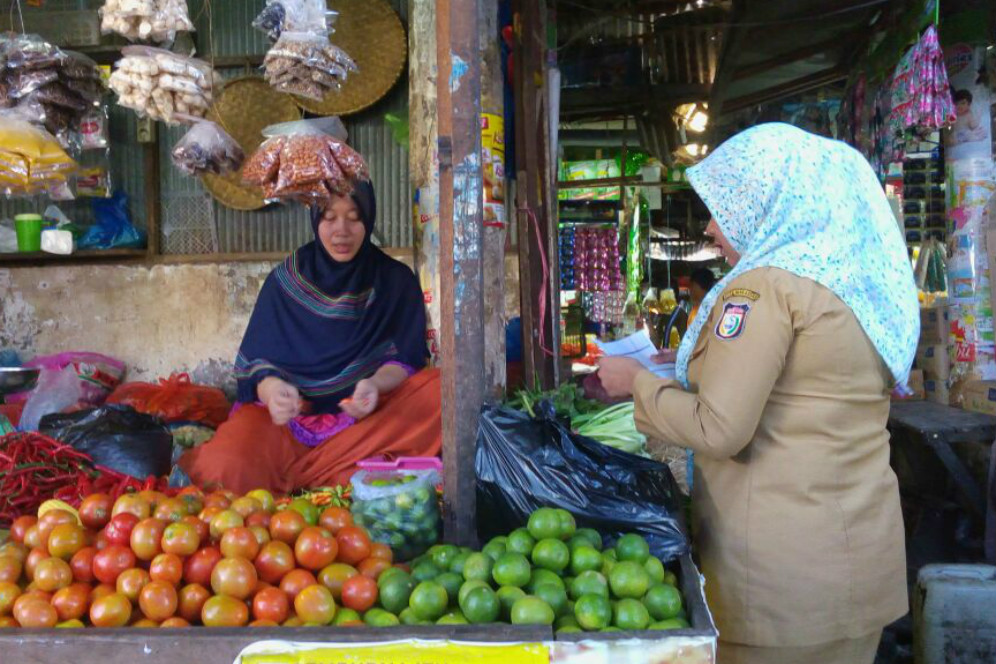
(115,436)
(523,464)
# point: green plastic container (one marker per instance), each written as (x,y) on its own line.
(29,228)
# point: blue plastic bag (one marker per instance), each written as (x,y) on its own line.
(113,228)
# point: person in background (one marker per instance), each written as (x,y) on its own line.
(332,369)
(702,281)
(782,392)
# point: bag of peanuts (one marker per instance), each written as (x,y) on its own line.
(306,161)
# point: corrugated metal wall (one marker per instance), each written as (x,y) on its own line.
(192,222)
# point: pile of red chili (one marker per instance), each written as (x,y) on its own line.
(35,468)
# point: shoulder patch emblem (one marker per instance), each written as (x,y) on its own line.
(732,321)
(744,293)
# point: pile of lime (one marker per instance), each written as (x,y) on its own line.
(547,573)
(406,519)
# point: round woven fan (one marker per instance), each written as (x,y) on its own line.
(372,34)
(244,108)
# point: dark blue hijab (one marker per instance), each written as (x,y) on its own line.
(323,325)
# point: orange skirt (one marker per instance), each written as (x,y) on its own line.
(250,452)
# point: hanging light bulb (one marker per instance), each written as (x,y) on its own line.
(693,117)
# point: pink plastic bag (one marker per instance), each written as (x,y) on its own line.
(98,374)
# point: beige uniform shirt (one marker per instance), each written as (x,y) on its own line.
(796,510)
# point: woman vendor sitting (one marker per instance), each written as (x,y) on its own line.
(332,367)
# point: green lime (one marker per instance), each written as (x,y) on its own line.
(508,595)
(569,629)
(633,547)
(304,507)
(541,575)
(567,620)
(670,623)
(610,554)
(344,615)
(553,595)
(467,587)
(629,580)
(608,562)
(481,605)
(544,523)
(589,583)
(478,567)
(389,574)
(395,592)
(655,569)
(593,612)
(426,571)
(380,618)
(443,554)
(408,617)
(567,525)
(429,600)
(496,548)
(663,602)
(669,578)
(451,582)
(592,536)
(512,569)
(630,614)
(459,561)
(532,611)
(520,541)
(551,554)
(584,559)
(453,618)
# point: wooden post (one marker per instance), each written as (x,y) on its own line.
(460,252)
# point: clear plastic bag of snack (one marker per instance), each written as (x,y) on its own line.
(22,82)
(32,52)
(170,17)
(329,126)
(305,159)
(270,21)
(93,182)
(79,66)
(94,130)
(264,164)
(31,110)
(59,95)
(206,148)
(352,163)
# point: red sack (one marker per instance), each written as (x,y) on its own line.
(175,399)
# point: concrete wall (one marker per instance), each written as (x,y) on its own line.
(157,319)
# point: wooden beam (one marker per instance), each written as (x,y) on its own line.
(788,58)
(733,38)
(153,200)
(622,101)
(787,89)
(461,222)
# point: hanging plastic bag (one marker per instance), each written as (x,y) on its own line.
(207,148)
(175,399)
(399,508)
(116,437)
(306,64)
(56,391)
(113,227)
(524,463)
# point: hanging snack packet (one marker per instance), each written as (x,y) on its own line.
(207,149)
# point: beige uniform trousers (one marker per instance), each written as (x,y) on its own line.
(848,651)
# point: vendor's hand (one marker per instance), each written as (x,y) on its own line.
(281,398)
(618,375)
(666,356)
(364,400)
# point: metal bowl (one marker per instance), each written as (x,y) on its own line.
(17,379)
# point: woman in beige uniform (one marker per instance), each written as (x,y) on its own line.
(783,394)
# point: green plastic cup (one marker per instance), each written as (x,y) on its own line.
(29,228)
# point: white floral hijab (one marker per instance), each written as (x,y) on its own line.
(812,206)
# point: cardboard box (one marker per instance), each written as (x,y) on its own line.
(937,391)
(980,396)
(915,384)
(934,326)
(934,361)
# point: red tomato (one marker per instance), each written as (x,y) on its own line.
(132,503)
(152,497)
(224,611)
(373,567)
(101,541)
(199,566)
(52,518)
(359,593)
(285,526)
(180,538)
(144,623)
(101,590)
(20,526)
(262,534)
(10,569)
(72,602)
(354,545)
(8,621)
(33,537)
(239,542)
(35,613)
(258,518)
(209,513)
(167,567)
(254,623)
(53,574)
(246,506)
(334,576)
(217,499)
(271,604)
(314,604)
(9,592)
(15,550)
(191,600)
(335,519)
(118,529)
(194,500)
(130,583)
(95,510)
(109,563)
(82,564)
(382,552)
(295,581)
(235,577)
(225,520)
(31,562)
(146,538)
(203,530)
(65,540)
(175,622)
(158,600)
(315,548)
(171,510)
(110,611)
(275,559)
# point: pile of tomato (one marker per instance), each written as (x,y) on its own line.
(216,559)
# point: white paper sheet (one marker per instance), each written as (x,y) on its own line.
(639,347)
